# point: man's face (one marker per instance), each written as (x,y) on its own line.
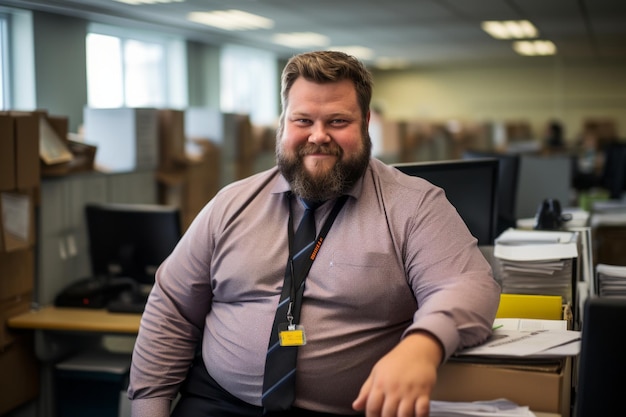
(324,147)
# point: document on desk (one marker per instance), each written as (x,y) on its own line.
(536,245)
(530,338)
(495,408)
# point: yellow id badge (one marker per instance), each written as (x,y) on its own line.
(291,335)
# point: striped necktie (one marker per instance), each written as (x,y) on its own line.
(280,363)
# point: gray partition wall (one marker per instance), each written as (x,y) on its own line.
(542,177)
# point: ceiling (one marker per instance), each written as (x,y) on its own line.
(424,32)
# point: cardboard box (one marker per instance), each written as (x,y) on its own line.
(19,379)
(17,270)
(11,308)
(7,153)
(171,139)
(17,223)
(60,124)
(190,188)
(26,134)
(544,388)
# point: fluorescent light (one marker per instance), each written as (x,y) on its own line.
(510,29)
(138,2)
(534,48)
(231,20)
(301,39)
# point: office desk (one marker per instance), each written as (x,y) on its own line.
(61,332)
(77,320)
(65,327)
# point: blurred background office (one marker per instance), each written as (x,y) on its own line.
(436,68)
(165,101)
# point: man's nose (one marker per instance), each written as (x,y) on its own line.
(319,133)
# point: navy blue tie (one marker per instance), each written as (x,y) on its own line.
(280,363)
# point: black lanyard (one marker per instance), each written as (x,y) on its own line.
(296,282)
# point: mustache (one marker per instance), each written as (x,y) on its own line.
(312,148)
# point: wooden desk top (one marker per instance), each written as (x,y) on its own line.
(76,319)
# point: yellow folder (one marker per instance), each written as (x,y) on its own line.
(530,306)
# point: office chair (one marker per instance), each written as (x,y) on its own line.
(602,360)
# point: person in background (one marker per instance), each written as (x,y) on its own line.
(396,287)
(589,161)
(555,138)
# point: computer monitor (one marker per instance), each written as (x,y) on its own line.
(471,187)
(602,359)
(508,175)
(131,240)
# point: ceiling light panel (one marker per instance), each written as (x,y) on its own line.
(233,20)
(534,48)
(510,29)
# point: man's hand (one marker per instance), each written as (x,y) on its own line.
(401,381)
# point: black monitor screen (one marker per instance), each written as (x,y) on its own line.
(131,240)
(471,187)
(509,167)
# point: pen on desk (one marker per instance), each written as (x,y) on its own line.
(497,327)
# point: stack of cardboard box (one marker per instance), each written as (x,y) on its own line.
(19,184)
(188,171)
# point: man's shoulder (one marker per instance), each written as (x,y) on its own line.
(253,182)
(390,176)
(245,190)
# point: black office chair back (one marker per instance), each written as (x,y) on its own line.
(602,360)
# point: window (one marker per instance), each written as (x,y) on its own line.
(4,62)
(130,69)
(17,59)
(249,83)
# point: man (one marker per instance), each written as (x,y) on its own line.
(397,283)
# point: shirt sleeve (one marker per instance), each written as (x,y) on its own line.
(172,322)
(452,281)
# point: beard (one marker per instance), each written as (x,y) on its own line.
(328,185)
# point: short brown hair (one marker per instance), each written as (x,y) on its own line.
(325,67)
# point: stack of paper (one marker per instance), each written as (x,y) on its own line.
(611,280)
(528,338)
(495,408)
(537,262)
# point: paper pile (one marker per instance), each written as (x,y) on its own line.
(537,262)
(530,338)
(611,280)
(495,408)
